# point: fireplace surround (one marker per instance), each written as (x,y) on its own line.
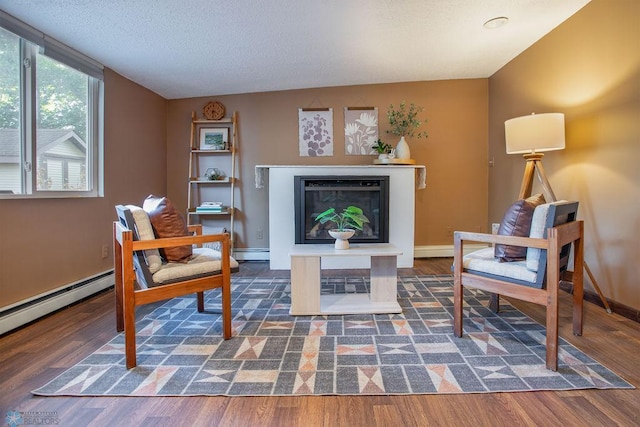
(403,182)
(315,194)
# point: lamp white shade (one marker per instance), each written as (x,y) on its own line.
(534,133)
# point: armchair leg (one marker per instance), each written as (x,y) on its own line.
(130,337)
(200,296)
(226,310)
(552,332)
(119,311)
(129,317)
(494,303)
(578,310)
(458,303)
(117,264)
(578,285)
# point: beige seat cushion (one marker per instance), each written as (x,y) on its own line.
(483,261)
(203,262)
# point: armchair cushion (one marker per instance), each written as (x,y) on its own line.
(145,232)
(538,229)
(483,262)
(168,222)
(203,262)
(517,222)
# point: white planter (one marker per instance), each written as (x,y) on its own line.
(342,238)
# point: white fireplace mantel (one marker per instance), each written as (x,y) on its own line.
(403,181)
(421,171)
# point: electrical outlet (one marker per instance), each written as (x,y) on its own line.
(259,234)
(105,251)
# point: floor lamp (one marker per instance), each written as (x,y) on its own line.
(530,136)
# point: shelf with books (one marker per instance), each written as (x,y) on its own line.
(196,211)
(212,173)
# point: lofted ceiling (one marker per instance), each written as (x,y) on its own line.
(192,48)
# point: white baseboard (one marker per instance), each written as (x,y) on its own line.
(441,251)
(251,254)
(28,310)
(432,251)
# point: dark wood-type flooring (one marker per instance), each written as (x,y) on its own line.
(35,354)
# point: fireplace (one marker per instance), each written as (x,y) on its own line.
(315,194)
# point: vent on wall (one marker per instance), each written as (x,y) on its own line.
(23,312)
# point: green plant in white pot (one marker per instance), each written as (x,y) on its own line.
(382,148)
(404,122)
(346,223)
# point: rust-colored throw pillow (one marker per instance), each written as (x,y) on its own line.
(168,222)
(517,222)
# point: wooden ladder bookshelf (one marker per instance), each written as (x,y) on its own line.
(213,148)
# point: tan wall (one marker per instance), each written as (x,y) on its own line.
(455,152)
(589,69)
(48,243)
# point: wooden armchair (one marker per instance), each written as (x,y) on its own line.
(141,277)
(535,280)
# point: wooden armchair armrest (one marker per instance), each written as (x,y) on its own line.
(567,233)
(180,241)
(197,239)
(460,236)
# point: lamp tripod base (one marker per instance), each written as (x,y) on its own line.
(534,164)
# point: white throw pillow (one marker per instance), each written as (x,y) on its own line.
(538,226)
(145,232)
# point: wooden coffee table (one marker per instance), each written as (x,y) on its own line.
(305,280)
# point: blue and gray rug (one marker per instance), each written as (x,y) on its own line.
(181,353)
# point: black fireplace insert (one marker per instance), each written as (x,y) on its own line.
(315,194)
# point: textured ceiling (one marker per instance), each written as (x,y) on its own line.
(190,48)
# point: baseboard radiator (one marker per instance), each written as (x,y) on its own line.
(251,254)
(26,311)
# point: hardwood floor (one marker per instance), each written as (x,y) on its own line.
(31,356)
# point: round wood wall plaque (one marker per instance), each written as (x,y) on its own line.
(213,110)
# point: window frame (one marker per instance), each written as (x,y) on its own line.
(31,43)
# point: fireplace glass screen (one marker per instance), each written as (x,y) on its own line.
(316,194)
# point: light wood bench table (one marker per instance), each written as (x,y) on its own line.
(305,280)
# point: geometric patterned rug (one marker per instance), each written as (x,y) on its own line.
(181,353)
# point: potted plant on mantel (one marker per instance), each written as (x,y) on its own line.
(347,222)
(383,149)
(404,123)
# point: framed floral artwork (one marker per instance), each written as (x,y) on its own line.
(360,130)
(315,132)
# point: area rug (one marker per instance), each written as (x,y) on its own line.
(181,353)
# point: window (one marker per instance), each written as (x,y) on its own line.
(51,102)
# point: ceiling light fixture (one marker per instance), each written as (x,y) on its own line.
(494,23)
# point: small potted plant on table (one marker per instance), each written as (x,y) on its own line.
(347,222)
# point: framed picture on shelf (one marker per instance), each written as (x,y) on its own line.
(214,139)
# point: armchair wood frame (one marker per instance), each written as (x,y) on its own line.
(129,294)
(557,237)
